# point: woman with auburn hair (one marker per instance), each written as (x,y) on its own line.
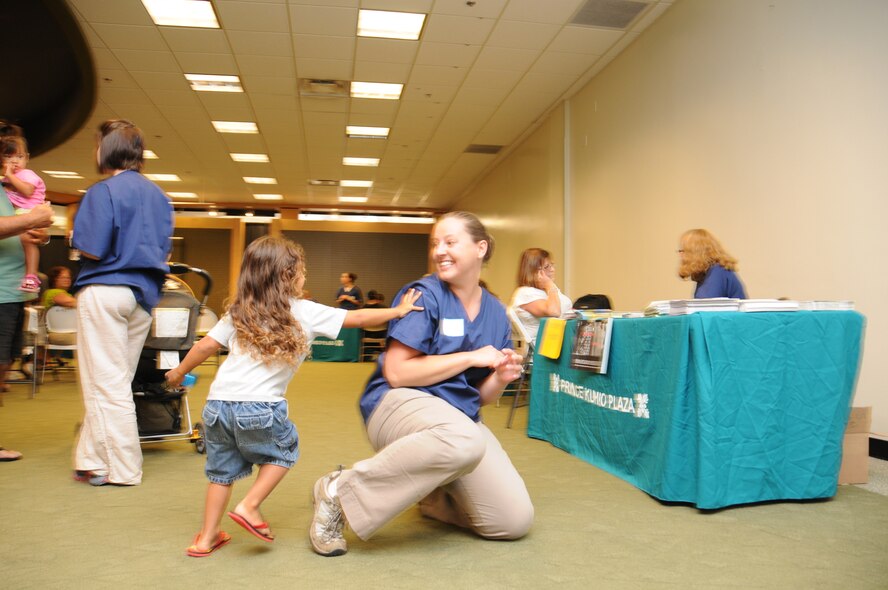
(537,295)
(705,261)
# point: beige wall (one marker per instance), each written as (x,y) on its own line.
(761,120)
(521,202)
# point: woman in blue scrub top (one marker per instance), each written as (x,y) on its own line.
(122,229)
(705,261)
(421,410)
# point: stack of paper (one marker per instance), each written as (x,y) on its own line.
(749,305)
(655,308)
(842,305)
(686,306)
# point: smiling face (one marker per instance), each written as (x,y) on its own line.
(456,255)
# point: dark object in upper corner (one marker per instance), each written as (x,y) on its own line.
(596,301)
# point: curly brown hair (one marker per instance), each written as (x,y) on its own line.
(260,310)
(700,250)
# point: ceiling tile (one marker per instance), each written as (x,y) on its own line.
(252,16)
(196,40)
(115,79)
(258,43)
(103,58)
(130,37)
(324,104)
(587,40)
(445,75)
(558,62)
(486,9)
(446,54)
(482,78)
(323,20)
(521,35)
(269,84)
(317,47)
(207,63)
(550,11)
(445,28)
(266,65)
(161,81)
(147,61)
(390,73)
(102,11)
(182,98)
(502,58)
(389,50)
(325,69)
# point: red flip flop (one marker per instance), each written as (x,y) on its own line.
(252,528)
(221,540)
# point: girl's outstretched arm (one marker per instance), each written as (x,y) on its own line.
(359,318)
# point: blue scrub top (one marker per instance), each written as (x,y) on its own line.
(443,328)
(720,282)
(126,222)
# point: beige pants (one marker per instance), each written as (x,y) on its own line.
(431,452)
(111,330)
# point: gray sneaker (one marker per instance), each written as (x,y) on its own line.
(326,526)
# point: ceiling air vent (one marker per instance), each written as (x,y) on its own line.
(479,148)
(609,14)
(323,88)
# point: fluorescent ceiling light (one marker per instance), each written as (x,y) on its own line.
(352,199)
(323,182)
(182,13)
(390,25)
(379,90)
(163,177)
(212,213)
(183,195)
(214,83)
(364,218)
(356,183)
(349,161)
(82,190)
(263,158)
(149,155)
(248,214)
(268,197)
(358,131)
(235,127)
(260,180)
(62,174)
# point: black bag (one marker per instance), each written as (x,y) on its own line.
(159,415)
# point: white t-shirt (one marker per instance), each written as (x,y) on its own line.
(245,378)
(525,295)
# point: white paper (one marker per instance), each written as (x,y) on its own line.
(171,322)
(167,359)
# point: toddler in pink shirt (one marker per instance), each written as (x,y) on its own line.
(26,190)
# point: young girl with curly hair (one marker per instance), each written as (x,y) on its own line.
(268,330)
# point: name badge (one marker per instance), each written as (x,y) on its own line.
(453,327)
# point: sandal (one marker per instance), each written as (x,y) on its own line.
(9,455)
(30,284)
(221,540)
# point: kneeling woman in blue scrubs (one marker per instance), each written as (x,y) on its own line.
(422,410)
(705,261)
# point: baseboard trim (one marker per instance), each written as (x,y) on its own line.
(878,448)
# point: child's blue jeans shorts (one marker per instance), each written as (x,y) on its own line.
(242,434)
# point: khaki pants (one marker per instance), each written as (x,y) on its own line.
(431,452)
(111,330)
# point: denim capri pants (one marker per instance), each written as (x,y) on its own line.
(242,434)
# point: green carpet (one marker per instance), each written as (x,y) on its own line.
(591,529)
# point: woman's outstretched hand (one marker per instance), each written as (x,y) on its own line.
(406,305)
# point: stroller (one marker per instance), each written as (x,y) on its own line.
(162,412)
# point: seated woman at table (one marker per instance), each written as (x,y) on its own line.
(705,261)
(57,293)
(422,408)
(537,295)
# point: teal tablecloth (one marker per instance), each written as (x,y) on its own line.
(345,348)
(714,409)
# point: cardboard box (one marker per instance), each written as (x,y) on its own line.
(855,447)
